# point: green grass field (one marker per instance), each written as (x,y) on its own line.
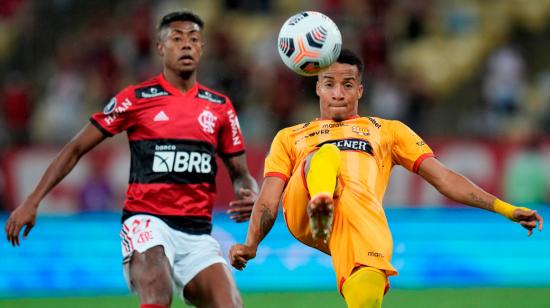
(440,298)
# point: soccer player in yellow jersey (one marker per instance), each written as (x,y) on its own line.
(331,175)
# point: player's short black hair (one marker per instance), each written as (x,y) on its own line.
(349,57)
(183,15)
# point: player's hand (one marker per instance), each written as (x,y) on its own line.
(528,219)
(241,209)
(23,216)
(239,255)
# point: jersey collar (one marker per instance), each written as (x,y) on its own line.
(355,116)
(174,91)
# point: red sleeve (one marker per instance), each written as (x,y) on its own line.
(115,117)
(230,140)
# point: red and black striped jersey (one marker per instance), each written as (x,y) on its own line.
(173,139)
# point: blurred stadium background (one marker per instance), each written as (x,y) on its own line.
(471,76)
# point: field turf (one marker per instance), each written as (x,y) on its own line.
(423,298)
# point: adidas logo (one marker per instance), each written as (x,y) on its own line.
(161,116)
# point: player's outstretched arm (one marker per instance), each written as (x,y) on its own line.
(245,187)
(457,187)
(264,214)
(25,214)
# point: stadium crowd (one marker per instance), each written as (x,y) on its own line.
(443,67)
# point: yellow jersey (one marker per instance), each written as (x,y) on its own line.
(369,148)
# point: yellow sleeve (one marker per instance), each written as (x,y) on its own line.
(408,149)
(279,159)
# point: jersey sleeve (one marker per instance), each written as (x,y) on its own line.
(408,149)
(279,159)
(230,139)
(116,116)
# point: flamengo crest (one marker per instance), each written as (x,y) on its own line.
(208,121)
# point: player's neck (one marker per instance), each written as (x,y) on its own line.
(183,81)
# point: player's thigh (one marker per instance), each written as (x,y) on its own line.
(148,253)
(150,270)
(214,286)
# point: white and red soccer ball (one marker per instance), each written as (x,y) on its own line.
(309,42)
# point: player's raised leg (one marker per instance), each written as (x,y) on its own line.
(151,277)
(365,288)
(321,178)
(214,286)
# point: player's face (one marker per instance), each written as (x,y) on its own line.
(180,46)
(339,88)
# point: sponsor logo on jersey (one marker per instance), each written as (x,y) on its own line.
(151,91)
(180,161)
(374,122)
(363,131)
(420,143)
(117,110)
(208,121)
(209,96)
(313,134)
(110,107)
(375,254)
(161,116)
(351,145)
(235,127)
(333,125)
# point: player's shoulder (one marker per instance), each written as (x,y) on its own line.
(212,96)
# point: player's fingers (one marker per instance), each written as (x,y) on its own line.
(245,192)
(241,208)
(7,229)
(528,224)
(540,220)
(240,217)
(28,228)
(14,233)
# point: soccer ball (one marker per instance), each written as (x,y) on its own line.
(309,42)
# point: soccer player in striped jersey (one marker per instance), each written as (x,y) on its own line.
(175,127)
(330,175)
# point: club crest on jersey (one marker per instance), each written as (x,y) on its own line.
(351,145)
(208,121)
(110,107)
(150,92)
(209,96)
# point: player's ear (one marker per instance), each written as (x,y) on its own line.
(318,87)
(160,48)
(360,90)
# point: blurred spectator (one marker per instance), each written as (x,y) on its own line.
(96,192)
(503,85)
(526,176)
(416,12)
(374,49)
(387,99)
(15,100)
(61,109)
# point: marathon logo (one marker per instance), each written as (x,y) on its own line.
(181,161)
(351,145)
(209,96)
(235,127)
(113,110)
(333,125)
(150,92)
